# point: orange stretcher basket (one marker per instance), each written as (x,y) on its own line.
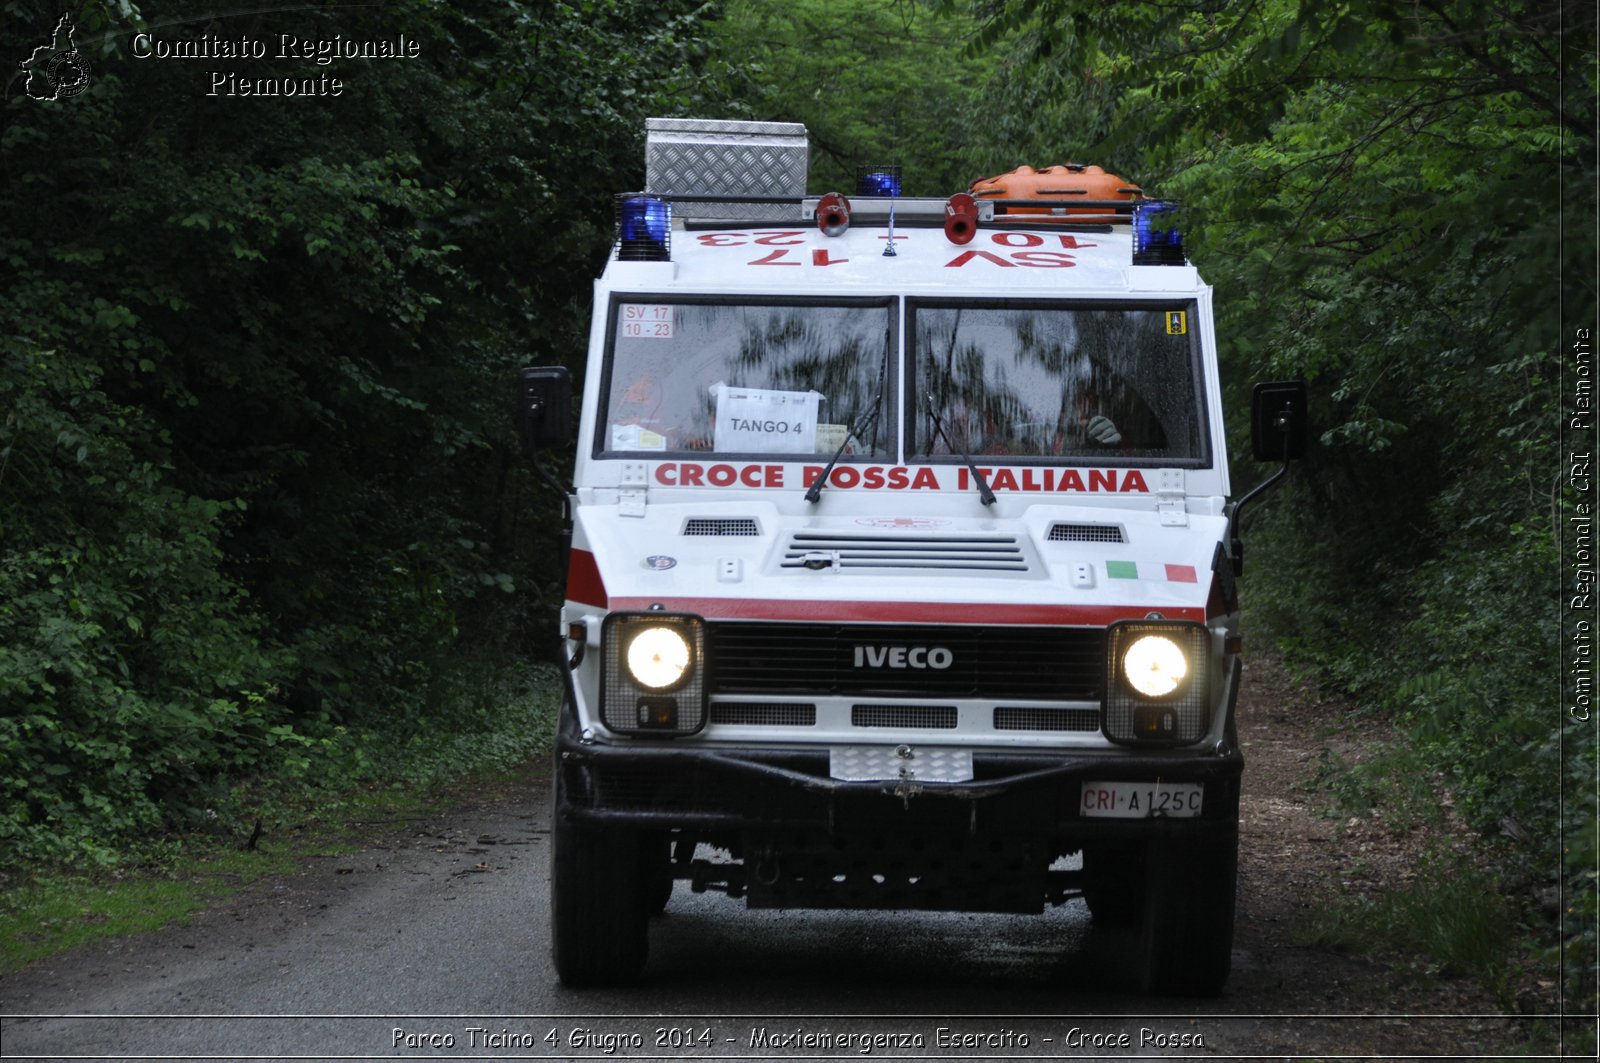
(1097,190)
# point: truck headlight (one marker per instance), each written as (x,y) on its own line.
(658,657)
(654,677)
(1155,666)
(1157,691)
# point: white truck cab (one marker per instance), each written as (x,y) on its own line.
(901,573)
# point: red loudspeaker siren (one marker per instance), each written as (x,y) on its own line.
(833,214)
(960,218)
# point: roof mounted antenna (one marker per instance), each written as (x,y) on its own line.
(881,182)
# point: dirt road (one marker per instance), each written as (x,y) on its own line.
(434,942)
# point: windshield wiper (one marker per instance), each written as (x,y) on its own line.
(814,492)
(985,495)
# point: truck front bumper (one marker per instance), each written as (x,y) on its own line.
(1038,794)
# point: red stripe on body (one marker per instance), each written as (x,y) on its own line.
(583,579)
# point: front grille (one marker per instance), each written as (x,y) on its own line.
(941,717)
(905,660)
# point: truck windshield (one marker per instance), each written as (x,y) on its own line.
(1045,382)
(751,378)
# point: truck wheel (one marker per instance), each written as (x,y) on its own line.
(1113,883)
(599,922)
(1187,943)
(657,870)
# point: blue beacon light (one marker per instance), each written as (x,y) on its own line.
(644,229)
(1157,241)
(878,183)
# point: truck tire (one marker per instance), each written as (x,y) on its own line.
(657,867)
(1113,883)
(599,921)
(1187,935)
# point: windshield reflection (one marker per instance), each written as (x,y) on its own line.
(750,379)
(1045,382)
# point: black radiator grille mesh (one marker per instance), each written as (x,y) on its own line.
(1085,533)
(881,660)
(904,716)
(764,714)
(1008,718)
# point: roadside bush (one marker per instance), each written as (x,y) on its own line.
(137,693)
(263,523)
(131,678)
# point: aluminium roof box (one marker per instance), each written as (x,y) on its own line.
(717,157)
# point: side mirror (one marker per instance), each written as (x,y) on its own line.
(544,407)
(1279,429)
(1278,421)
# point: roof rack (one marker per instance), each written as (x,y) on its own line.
(1156,242)
(913,208)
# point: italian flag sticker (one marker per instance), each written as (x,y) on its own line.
(1151,570)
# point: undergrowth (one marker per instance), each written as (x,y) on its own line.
(319,803)
(1455,918)
(1451,921)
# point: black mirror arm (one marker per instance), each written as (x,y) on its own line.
(532,417)
(533,414)
(1283,423)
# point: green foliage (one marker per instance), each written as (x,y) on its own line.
(58,913)
(494,721)
(1377,192)
(1452,918)
(1396,780)
(263,521)
(345,783)
(127,660)
(47,911)
(876,82)
(1580,860)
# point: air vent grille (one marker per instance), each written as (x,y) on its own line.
(1034,719)
(721,526)
(988,553)
(933,717)
(764,714)
(1086,533)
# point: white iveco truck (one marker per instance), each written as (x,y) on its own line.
(901,564)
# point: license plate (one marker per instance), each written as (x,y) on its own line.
(1141,800)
